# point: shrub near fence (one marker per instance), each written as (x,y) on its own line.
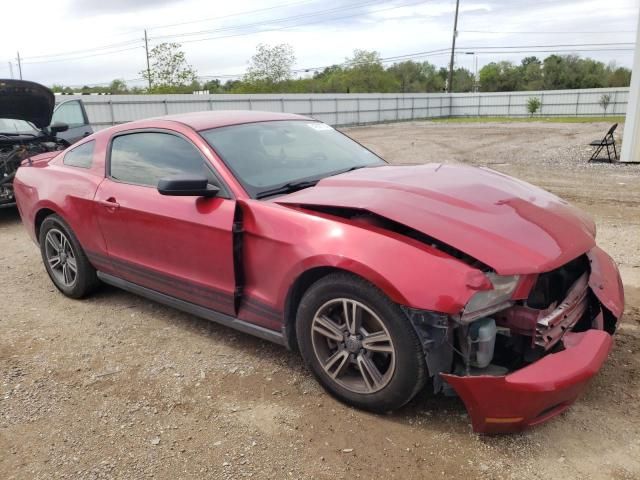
(359,109)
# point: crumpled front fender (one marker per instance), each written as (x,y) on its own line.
(605,281)
(544,389)
(536,393)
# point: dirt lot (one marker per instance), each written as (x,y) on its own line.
(117,386)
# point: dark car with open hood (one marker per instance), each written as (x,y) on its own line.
(31,124)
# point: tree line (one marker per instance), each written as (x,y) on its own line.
(270,70)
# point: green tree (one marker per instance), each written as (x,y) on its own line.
(501,77)
(533,104)
(169,70)
(117,86)
(531,71)
(270,65)
(619,77)
(364,73)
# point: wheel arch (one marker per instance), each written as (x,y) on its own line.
(305,279)
(40,217)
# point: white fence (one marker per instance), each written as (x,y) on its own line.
(358,109)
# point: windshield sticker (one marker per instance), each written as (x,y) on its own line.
(319,126)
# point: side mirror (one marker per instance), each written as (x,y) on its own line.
(187,186)
(58,127)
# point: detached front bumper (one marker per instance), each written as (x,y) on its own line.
(534,394)
(546,388)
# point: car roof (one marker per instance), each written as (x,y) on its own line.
(222,118)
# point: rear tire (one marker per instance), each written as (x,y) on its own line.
(65,261)
(359,344)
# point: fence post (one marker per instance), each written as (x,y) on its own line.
(541,102)
(336,106)
(508,105)
(166,107)
(211,104)
(479,102)
(311,107)
(113,117)
(428,106)
(613,101)
(282,104)
(413,103)
(358,113)
(577,102)
(379,110)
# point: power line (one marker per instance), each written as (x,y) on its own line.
(275,20)
(83,56)
(580,45)
(231,15)
(592,32)
(304,23)
(94,49)
(140,42)
(390,59)
(137,40)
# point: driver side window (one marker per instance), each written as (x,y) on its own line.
(143,158)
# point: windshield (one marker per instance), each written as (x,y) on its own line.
(9,125)
(267,155)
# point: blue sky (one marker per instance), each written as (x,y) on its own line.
(78,42)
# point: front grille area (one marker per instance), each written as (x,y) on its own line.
(553,287)
(550,328)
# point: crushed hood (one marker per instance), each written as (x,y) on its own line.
(22,100)
(512,226)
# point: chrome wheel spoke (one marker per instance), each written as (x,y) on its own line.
(54,262)
(337,363)
(352,316)
(370,373)
(66,274)
(54,242)
(378,342)
(327,328)
(73,266)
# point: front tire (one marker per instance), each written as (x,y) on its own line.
(65,261)
(359,344)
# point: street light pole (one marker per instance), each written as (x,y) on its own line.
(453,48)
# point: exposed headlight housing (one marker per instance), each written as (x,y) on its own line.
(486,302)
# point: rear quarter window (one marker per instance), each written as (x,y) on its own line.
(80,156)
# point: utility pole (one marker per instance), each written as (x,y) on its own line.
(146,48)
(19,65)
(453,48)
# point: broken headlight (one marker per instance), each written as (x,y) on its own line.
(486,302)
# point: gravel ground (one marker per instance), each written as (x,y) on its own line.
(119,387)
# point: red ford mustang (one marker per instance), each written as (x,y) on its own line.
(384,277)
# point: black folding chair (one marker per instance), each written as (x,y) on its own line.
(607,142)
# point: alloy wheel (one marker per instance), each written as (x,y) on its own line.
(61,258)
(353,346)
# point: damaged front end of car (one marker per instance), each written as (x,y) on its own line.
(523,349)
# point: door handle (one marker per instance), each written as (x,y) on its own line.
(109,203)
